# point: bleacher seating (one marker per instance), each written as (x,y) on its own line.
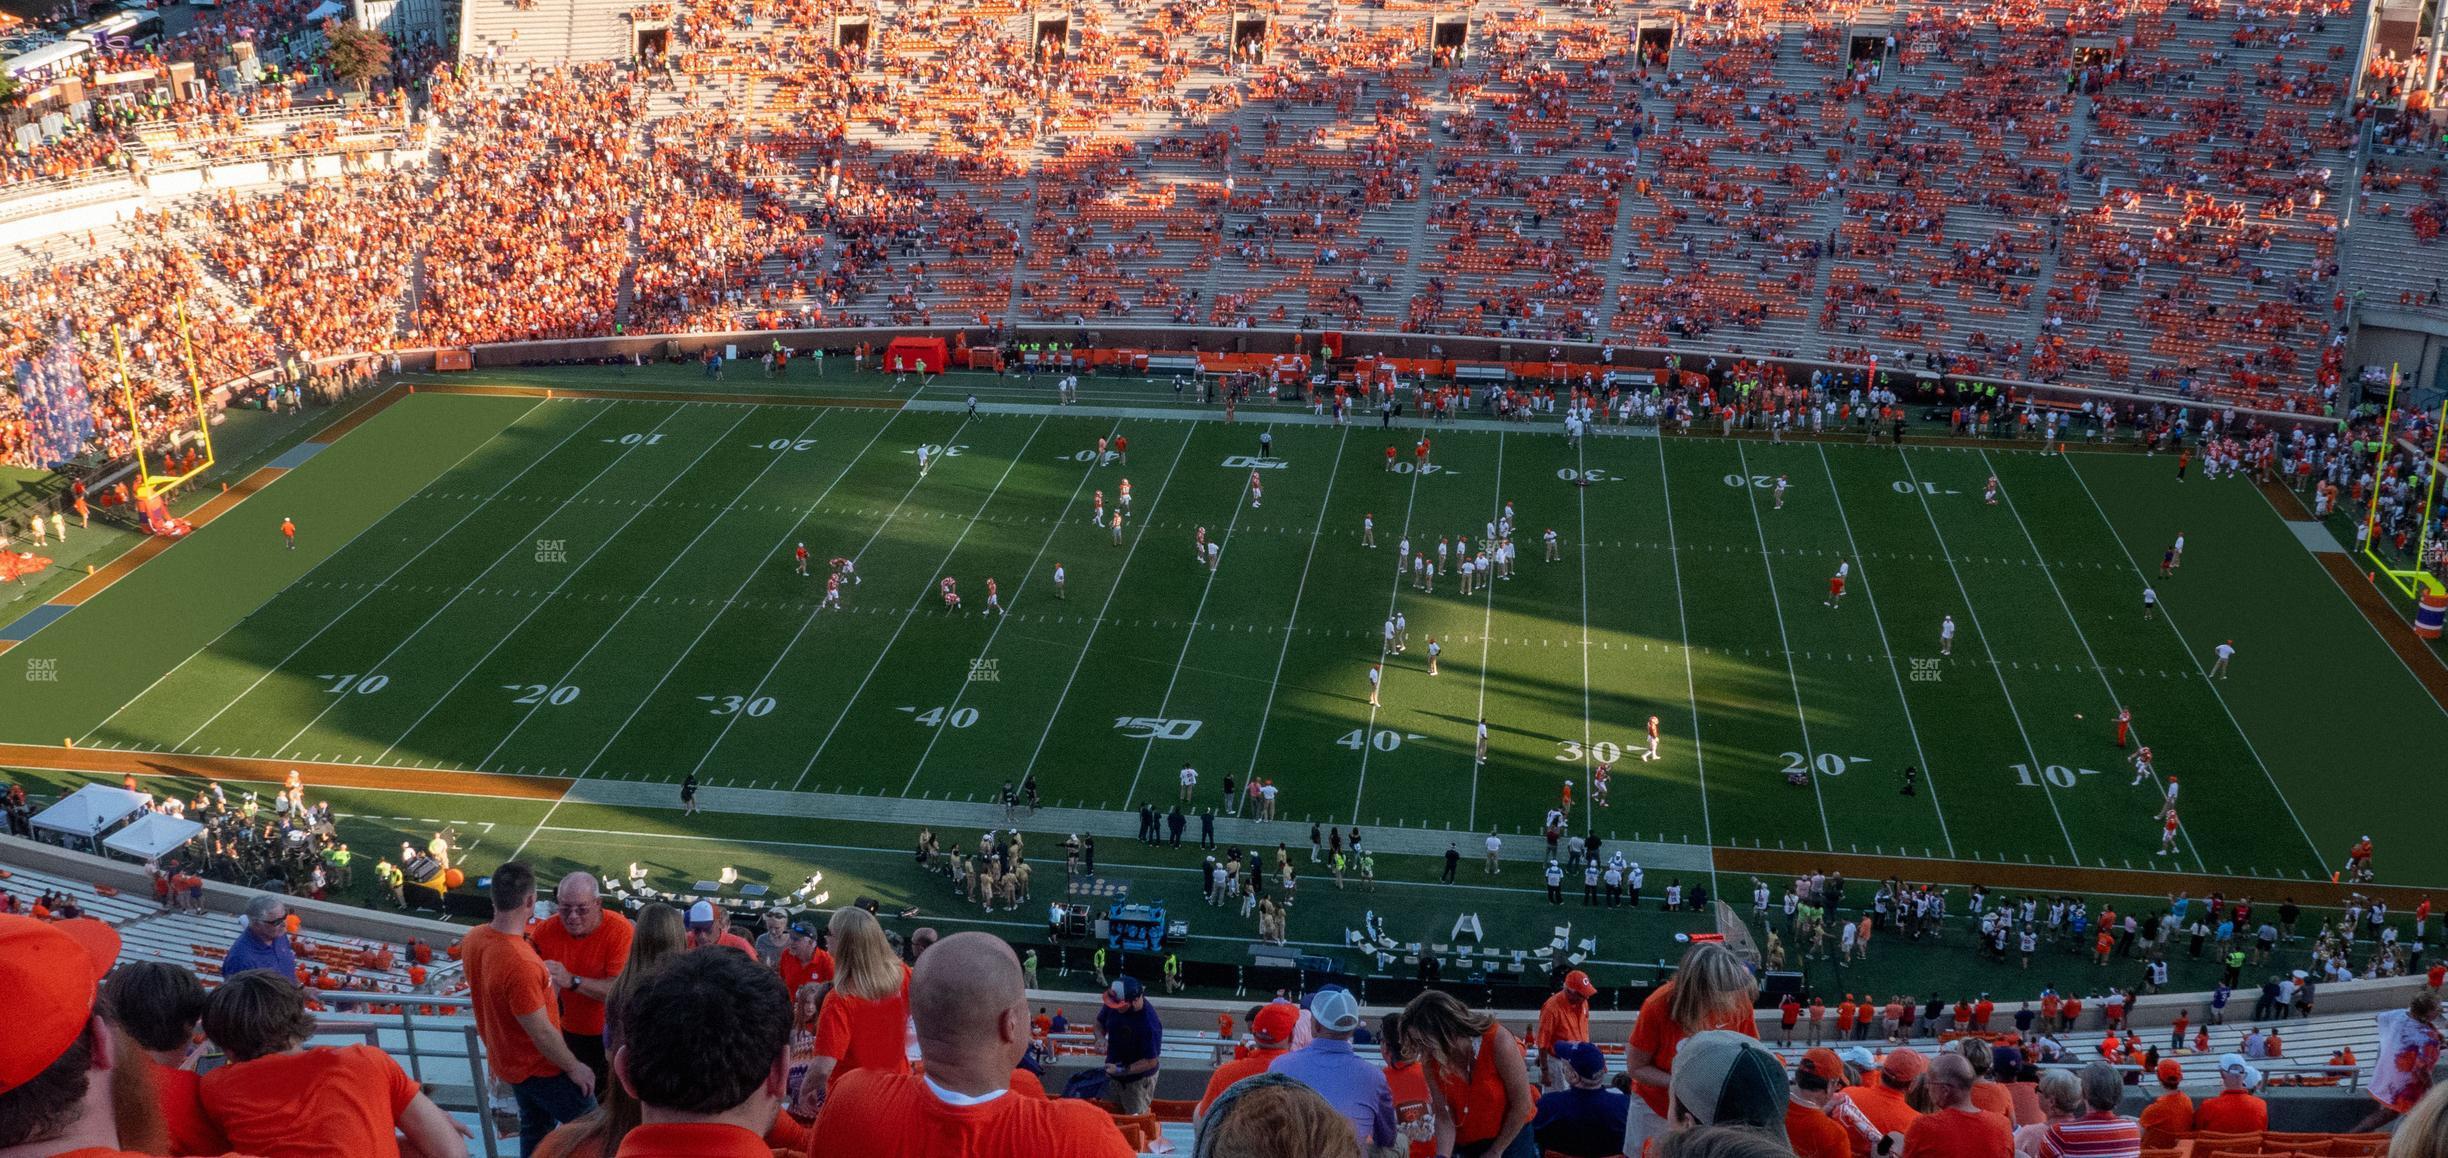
(2146,193)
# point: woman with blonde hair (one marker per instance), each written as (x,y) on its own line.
(659,934)
(1711,989)
(2423,1131)
(865,1020)
(1478,1084)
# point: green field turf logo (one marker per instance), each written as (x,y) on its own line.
(1925,671)
(42,671)
(984,671)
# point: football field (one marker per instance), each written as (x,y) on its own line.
(603,588)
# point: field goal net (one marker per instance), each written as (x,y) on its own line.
(1736,934)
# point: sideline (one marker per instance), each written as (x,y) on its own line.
(2424,664)
(1771,864)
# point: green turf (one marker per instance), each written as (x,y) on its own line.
(604,588)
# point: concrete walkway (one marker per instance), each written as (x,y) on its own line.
(950,818)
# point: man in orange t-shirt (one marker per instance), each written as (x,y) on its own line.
(705,1051)
(1273,1026)
(2170,1116)
(2235,1109)
(1880,1097)
(804,964)
(59,1059)
(584,947)
(1563,1018)
(1808,1129)
(970,1009)
(517,1016)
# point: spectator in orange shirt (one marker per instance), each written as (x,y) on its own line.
(702,1049)
(158,1005)
(970,1008)
(1564,1017)
(61,1092)
(1986,1092)
(2234,1109)
(1881,1098)
(517,1016)
(584,947)
(1410,1086)
(1808,1128)
(1478,1088)
(659,934)
(281,1099)
(2169,1117)
(1955,1127)
(865,1017)
(802,963)
(1272,1026)
(1711,990)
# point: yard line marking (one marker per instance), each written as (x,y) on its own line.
(1487,624)
(703,530)
(1098,623)
(937,734)
(923,593)
(395,573)
(1165,704)
(302,582)
(1393,599)
(1276,682)
(635,512)
(1776,600)
(1691,686)
(2183,829)
(1995,668)
(1589,801)
(523,542)
(1927,770)
(734,598)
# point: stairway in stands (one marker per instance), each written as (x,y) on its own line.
(546,31)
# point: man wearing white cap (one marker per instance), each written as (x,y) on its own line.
(707,926)
(2235,1109)
(1352,1086)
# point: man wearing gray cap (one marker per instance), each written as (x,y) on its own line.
(1356,1088)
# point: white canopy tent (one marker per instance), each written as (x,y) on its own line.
(155,834)
(88,814)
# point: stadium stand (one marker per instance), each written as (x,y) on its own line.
(2141,193)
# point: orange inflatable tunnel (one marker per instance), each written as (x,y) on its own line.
(929,354)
